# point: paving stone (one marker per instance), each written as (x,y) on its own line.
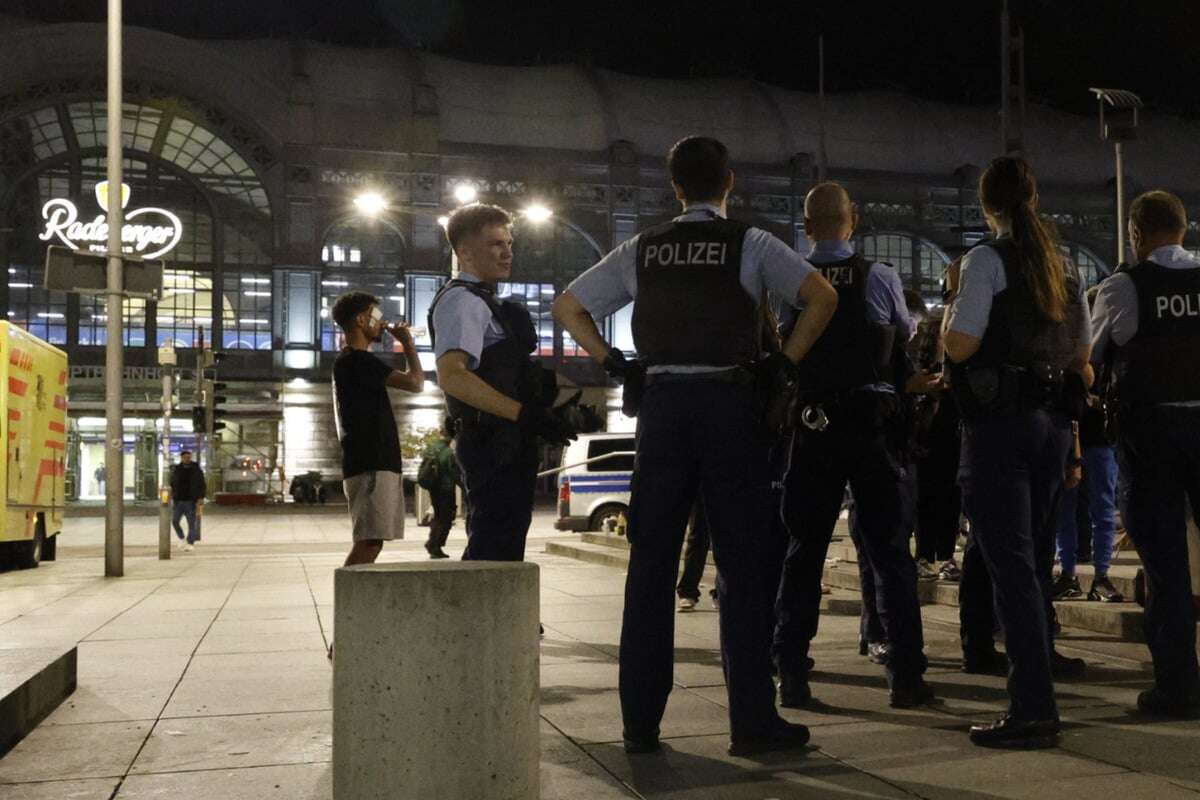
(74,751)
(569,772)
(594,715)
(96,789)
(214,743)
(248,683)
(291,782)
(698,768)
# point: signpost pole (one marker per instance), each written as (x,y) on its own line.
(114,521)
(164,490)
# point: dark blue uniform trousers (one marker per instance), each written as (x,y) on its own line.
(1011,473)
(1158,454)
(700,438)
(855,448)
(500,474)
(870,626)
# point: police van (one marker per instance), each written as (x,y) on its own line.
(593,486)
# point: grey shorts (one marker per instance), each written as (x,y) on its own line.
(376,501)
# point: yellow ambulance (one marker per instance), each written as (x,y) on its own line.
(34,425)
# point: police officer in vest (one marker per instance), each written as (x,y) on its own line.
(497,395)
(1017,335)
(697,284)
(850,431)
(1146,326)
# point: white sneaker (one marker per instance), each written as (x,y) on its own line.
(187,548)
(687,604)
(926,571)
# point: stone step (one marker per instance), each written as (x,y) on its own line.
(1123,620)
(836,602)
(33,682)
(1122,575)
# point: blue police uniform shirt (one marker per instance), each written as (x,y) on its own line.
(982,278)
(767,264)
(1115,314)
(885,295)
(464,322)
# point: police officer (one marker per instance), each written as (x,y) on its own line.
(697,285)
(1017,337)
(497,395)
(850,432)
(1147,328)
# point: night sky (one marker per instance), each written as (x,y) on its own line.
(936,49)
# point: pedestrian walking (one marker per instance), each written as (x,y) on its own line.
(439,475)
(188,491)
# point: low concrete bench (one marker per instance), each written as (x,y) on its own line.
(33,681)
(435,681)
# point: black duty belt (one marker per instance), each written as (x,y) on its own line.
(734,375)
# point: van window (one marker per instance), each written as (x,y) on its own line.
(599,447)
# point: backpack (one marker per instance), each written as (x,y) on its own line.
(427,473)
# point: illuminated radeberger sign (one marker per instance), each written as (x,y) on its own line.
(147,232)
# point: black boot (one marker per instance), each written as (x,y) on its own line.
(783,735)
(794,691)
(985,662)
(1018,734)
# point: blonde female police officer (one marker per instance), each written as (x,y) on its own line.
(697,285)
(1016,332)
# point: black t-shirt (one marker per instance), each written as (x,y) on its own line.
(365,421)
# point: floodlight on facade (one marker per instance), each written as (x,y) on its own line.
(372,204)
(465,193)
(443,220)
(537,213)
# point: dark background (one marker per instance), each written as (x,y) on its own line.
(935,49)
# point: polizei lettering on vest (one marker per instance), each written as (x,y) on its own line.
(1178,305)
(686,254)
(839,276)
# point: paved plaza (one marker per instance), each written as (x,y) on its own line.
(205,676)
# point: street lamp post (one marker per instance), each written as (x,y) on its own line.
(114,358)
(1118,126)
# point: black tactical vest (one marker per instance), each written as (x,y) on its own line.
(1017,334)
(505,365)
(1159,364)
(691,307)
(852,351)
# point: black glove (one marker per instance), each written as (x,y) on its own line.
(544,423)
(776,382)
(615,364)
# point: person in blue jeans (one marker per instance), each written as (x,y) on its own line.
(1100,474)
(187,495)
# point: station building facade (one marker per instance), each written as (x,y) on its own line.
(257,151)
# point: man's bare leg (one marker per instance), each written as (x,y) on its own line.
(364,552)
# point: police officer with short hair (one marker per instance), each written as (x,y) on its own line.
(1017,336)
(698,284)
(497,394)
(850,431)
(1146,328)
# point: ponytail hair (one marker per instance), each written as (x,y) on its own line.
(1008,189)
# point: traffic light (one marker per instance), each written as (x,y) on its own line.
(198,418)
(214,406)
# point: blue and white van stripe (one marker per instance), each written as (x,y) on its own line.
(611,483)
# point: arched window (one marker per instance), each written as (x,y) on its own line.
(919,261)
(1091,269)
(547,256)
(176,163)
(366,254)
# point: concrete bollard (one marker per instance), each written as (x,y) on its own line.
(436,682)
